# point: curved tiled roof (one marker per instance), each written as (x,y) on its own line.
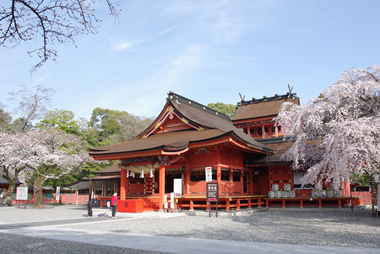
(214,125)
(262,108)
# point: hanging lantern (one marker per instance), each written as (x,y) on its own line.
(127,172)
(142,173)
(151,173)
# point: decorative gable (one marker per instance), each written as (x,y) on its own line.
(169,122)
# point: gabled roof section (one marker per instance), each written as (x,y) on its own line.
(181,124)
(267,106)
(172,117)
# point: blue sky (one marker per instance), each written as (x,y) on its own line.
(207,51)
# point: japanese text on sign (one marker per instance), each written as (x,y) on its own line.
(208,173)
(212,192)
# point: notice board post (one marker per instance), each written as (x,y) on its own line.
(213,196)
(22,194)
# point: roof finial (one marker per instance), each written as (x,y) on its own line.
(241,98)
(290,89)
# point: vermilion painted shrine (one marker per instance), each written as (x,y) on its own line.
(244,154)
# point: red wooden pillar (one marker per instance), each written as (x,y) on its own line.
(241,181)
(231,178)
(187,181)
(263,130)
(127,185)
(276,130)
(123,177)
(250,176)
(218,172)
(161,187)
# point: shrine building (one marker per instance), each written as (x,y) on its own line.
(243,153)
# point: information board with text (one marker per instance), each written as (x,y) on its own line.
(212,192)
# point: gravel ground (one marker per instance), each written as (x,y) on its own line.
(343,228)
(50,212)
(10,244)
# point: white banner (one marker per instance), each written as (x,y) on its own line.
(177,187)
(208,173)
(57,193)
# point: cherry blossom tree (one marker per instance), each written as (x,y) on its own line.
(50,21)
(54,154)
(37,156)
(338,133)
(14,157)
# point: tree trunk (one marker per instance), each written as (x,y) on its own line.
(8,197)
(38,194)
(11,187)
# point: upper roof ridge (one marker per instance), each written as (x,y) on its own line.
(265,99)
(180,99)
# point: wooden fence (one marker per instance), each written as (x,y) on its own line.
(365,196)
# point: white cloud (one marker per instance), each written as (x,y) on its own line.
(165,31)
(121,45)
(40,80)
(147,96)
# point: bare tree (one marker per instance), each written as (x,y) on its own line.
(32,103)
(54,21)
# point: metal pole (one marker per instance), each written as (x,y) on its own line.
(216,212)
(182,186)
(209,210)
(352,204)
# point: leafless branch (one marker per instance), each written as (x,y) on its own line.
(54,21)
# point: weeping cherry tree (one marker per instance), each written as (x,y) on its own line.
(338,133)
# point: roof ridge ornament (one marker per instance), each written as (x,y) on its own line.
(180,99)
(289,94)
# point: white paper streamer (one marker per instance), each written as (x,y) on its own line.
(142,173)
(127,173)
(151,173)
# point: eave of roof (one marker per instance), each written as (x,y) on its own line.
(280,147)
(101,178)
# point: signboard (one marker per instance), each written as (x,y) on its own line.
(208,173)
(22,193)
(212,192)
(57,193)
(177,187)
